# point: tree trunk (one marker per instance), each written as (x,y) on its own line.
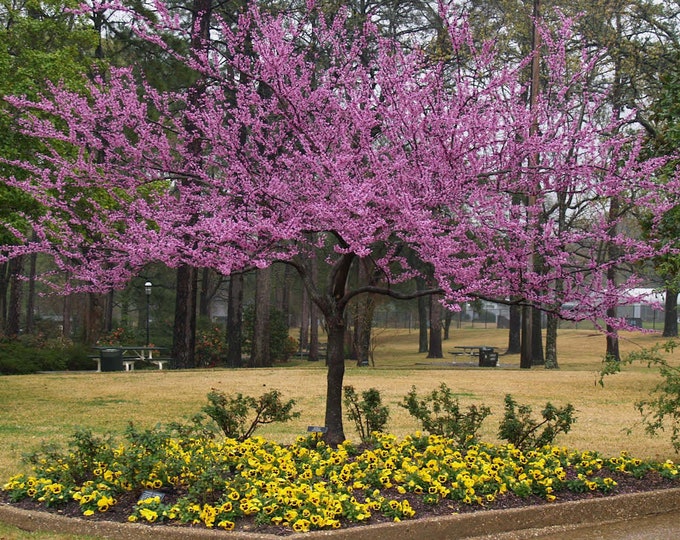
(184,329)
(204,296)
(537,358)
(448,316)
(613,352)
(260,355)
(283,298)
(4,286)
(364,326)
(234,320)
(435,328)
(66,326)
(107,323)
(335,433)
(527,349)
(93,320)
(422,319)
(304,320)
(30,301)
(13,323)
(314,318)
(551,342)
(186,298)
(314,334)
(514,332)
(525,360)
(670,318)
(125,309)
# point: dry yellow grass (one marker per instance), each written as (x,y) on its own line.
(51,406)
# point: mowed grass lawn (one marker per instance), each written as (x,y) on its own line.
(51,406)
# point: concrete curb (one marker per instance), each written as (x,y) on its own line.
(568,515)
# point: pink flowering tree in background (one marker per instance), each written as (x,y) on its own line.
(383,154)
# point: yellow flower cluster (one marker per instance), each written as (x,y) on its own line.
(311,486)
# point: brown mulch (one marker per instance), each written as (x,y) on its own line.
(120,512)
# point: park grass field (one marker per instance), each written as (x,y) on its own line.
(51,406)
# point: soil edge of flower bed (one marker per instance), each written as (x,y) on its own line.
(567,515)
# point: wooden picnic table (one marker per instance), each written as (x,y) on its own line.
(131,354)
(472,350)
(488,357)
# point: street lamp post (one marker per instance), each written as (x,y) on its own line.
(147,290)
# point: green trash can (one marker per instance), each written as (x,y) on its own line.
(112,360)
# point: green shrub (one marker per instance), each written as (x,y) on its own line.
(525,432)
(369,415)
(77,358)
(210,346)
(238,416)
(30,354)
(439,413)
(17,358)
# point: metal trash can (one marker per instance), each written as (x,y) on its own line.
(112,359)
(487,357)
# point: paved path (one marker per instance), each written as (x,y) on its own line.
(659,527)
(655,527)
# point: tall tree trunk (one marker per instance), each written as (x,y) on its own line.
(448,316)
(335,433)
(234,320)
(423,322)
(314,318)
(13,323)
(613,352)
(537,358)
(66,324)
(30,301)
(107,323)
(551,342)
(514,330)
(184,328)
(364,326)
(314,334)
(186,298)
(204,296)
(527,349)
(553,318)
(283,290)
(525,360)
(125,309)
(304,320)
(260,355)
(670,317)
(435,328)
(423,325)
(93,320)
(4,287)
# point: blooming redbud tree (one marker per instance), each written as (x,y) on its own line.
(301,138)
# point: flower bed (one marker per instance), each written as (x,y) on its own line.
(258,484)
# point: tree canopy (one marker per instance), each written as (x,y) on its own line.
(299,137)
